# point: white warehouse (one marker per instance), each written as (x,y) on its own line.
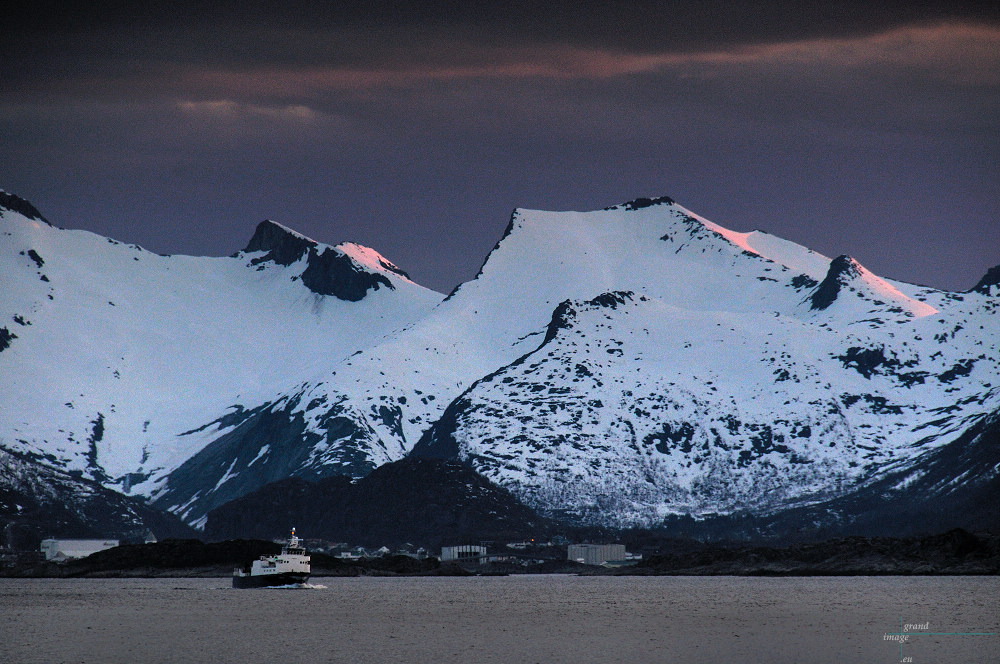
(595,554)
(465,553)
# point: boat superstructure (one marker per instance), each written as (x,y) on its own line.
(289,567)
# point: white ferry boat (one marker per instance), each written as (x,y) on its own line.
(289,567)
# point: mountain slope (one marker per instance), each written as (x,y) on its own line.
(121,356)
(37,501)
(632,410)
(421,501)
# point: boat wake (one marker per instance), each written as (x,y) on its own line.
(299,586)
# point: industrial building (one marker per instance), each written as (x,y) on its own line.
(65,549)
(466,553)
(595,554)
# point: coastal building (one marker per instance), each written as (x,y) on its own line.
(595,554)
(66,549)
(465,553)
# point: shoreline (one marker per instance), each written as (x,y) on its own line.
(954,553)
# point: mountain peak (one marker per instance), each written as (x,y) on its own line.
(842,270)
(847,273)
(347,271)
(284,246)
(21,206)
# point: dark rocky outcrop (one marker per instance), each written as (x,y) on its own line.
(386,265)
(866,361)
(643,202)
(801,281)
(438,442)
(21,206)
(282,246)
(34,256)
(564,314)
(421,501)
(334,273)
(6,336)
(989,284)
(842,270)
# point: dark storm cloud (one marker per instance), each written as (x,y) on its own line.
(414,129)
(637,24)
(128,37)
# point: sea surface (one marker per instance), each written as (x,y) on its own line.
(503,619)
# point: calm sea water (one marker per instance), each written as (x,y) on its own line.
(501,619)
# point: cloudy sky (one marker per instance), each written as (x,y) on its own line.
(849,128)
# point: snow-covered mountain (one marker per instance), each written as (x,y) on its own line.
(113,358)
(614,367)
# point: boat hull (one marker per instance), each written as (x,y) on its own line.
(269,580)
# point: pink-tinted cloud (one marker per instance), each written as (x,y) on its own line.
(228,108)
(960,53)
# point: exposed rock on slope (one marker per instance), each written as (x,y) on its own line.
(38,502)
(990,283)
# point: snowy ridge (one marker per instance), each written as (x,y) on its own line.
(615,367)
(723,339)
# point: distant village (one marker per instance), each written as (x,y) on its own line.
(524,553)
